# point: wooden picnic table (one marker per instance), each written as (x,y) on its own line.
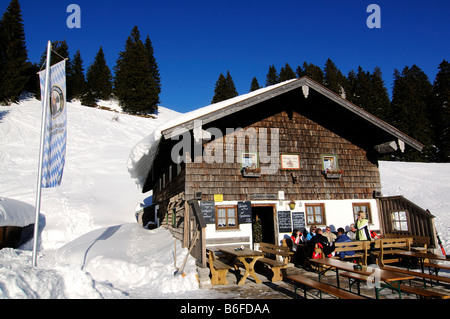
(243,256)
(387,276)
(422,256)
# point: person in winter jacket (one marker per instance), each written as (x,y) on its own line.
(296,237)
(362,227)
(352,232)
(326,246)
(343,238)
(312,233)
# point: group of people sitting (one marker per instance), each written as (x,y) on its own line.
(324,240)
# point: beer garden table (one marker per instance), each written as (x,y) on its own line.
(243,255)
(387,276)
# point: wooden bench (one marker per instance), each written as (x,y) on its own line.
(435,268)
(388,247)
(404,288)
(419,275)
(275,265)
(359,247)
(419,243)
(322,287)
(218,268)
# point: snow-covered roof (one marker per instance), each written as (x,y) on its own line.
(143,154)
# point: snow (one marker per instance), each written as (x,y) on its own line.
(16,213)
(90,244)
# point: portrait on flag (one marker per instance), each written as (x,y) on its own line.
(55,127)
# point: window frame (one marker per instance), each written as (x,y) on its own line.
(335,161)
(322,213)
(226,207)
(400,221)
(368,213)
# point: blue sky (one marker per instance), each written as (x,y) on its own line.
(195,41)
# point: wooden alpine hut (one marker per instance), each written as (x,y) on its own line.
(254,167)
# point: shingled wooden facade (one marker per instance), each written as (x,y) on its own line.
(307,129)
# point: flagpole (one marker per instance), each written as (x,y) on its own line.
(41,152)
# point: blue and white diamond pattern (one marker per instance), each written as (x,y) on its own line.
(56,131)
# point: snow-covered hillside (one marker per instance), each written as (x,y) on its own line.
(91,244)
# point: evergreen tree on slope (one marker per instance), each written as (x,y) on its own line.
(224,89)
(333,79)
(254,85)
(286,73)
(99,78)
(411,101)
(78,80)
(14,68)
(135,87)
(272,76)
(441,116)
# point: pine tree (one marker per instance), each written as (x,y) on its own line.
(368,91)
(231,88)
(333,78)
(224,89)
(14,68)
(272,76)
(78,80)
(441,116)
(135,86)
(381,103)
(286,73)
(254,85)
(153,65)
(99,78)
(312,71)
(411,100)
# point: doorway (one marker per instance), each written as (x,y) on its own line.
(263,223)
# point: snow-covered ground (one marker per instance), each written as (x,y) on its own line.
(91,246)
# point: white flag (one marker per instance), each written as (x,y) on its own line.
(55,126)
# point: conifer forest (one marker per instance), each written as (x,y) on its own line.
(417,105)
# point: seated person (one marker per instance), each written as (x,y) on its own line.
(324,244)
(328,234)
(352,232)
(343,238)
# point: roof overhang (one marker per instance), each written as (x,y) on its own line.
(399,139)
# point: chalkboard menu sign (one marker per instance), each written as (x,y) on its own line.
(209,211)
(284,221)
(244,212)
(298,221)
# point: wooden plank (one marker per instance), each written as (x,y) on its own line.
(343,294)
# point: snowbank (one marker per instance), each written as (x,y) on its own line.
(16,213)
(131,258)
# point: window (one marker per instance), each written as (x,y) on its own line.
(249,160)
(226,217)
(315,214)
(399,221)
(329,162)
(362,207)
